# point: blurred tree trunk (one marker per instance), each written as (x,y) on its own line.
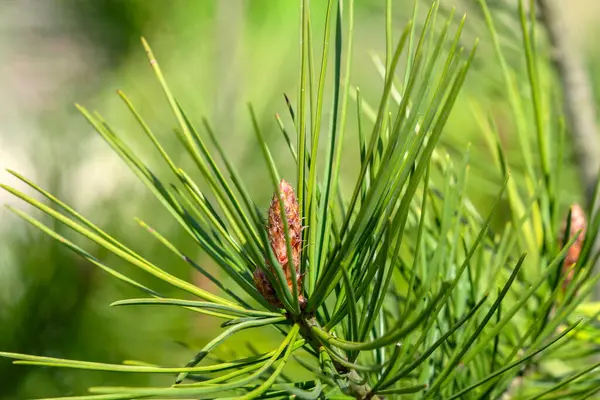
(580,108)
(578,100)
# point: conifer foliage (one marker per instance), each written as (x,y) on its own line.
(391,284)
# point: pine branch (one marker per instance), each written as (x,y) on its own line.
(361,392)
(398,273)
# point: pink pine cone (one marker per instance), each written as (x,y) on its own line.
(276,235)
(578,223)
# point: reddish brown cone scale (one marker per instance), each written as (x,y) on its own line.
(264,287)
(276,234)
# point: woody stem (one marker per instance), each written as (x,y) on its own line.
(360,392)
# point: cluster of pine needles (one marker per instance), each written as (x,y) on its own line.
(394,284)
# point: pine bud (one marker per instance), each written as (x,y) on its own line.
(276,234)
(578,223)
(276,230)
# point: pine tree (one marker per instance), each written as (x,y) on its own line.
(399,286)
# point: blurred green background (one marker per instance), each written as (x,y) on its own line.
(217,56)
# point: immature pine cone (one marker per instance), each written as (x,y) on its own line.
(276,234)
(578,223)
